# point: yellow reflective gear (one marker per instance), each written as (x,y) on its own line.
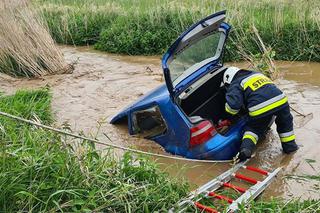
(257,81)
(252,138)
(266,103)
(230,110)
(269,107)
(287,139)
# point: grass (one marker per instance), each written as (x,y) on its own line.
(27,49)
(149,27)
(44,172)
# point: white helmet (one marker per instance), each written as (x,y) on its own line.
(229,75)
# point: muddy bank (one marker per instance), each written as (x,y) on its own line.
(103,84)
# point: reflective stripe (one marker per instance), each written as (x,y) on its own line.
(253,139)
(255,81)
(286,134)
(230,110)
(200,131)
(244,81)
(267,103)
(269,107)
(287,139)
(252,134)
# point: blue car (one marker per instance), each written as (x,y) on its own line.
(184,115)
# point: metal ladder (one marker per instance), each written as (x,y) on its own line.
(209,189)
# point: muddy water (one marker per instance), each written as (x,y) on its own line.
(102,84)
(99,87)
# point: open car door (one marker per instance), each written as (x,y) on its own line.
(196,52)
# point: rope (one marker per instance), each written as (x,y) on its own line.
(106,143)
(299,113)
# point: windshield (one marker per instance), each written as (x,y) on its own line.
(195,56)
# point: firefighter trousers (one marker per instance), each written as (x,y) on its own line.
(257,127)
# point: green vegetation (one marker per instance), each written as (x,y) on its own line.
(149,26)
(41,171)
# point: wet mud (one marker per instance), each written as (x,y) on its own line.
(102,84)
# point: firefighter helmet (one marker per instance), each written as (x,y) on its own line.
(229,75)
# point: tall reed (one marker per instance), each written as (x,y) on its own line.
(27,48)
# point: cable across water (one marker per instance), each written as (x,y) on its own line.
(60,131)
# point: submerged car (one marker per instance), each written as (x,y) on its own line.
(184,115)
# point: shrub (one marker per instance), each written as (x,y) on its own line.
(149,27)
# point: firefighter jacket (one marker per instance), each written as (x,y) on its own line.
(256,93)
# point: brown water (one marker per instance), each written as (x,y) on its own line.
(102,84)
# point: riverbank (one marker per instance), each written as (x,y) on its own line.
(44,172)
(149,27)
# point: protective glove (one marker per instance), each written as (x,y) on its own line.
(289,147)
(244,154)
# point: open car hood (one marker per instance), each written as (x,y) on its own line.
(196,52)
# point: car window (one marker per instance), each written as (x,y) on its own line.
(148,122)
(195,56)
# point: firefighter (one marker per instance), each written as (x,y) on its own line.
(257,94)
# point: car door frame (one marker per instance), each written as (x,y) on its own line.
(140,108)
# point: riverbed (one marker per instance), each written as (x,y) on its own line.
(102,84)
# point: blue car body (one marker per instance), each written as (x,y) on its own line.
(174,134)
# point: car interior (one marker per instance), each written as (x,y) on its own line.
(207,100)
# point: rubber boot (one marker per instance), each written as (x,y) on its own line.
(246,149)
(289,147)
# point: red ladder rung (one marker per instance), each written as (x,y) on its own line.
(245,178)
(205,208)
(237,188)
(220,197)
(261,171)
